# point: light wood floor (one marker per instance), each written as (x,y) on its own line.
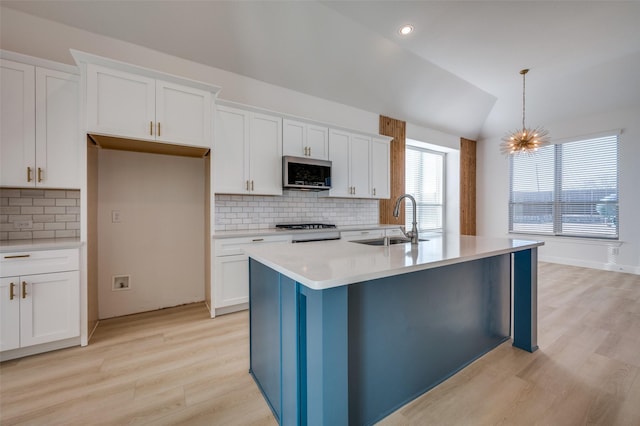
(177,366)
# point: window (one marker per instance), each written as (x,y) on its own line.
(568,189)
(424,179)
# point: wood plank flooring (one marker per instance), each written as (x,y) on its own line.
(177,366)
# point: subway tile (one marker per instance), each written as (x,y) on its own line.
(4,236)
(65,202)
(31,193)
(44,218)
(72,210)
(73,225)
(54,193)
(9,193)
(53,226)
(20,235)
(44,202)
(66,218)
(44,234)
(31,210)
(55,210)
(65,233)
(10,210)
(72,194)
(20,201)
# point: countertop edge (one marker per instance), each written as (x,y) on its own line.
(367,276)
(39,244)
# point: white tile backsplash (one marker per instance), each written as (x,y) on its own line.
(234,212)
(51,213)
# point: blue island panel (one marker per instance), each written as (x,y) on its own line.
(351,355)
(409,332)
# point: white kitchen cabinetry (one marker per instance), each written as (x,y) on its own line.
(350,157)
(39,114)
(380,168)
(248,152)
(39,299)
(129,105)
(231,271)
(301,139)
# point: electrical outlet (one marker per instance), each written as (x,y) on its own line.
(23,224)
(121,282)
(115,216)
(615,251)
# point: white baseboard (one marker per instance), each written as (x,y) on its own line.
(593,265)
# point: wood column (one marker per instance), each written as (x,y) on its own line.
(397,130)
(467,187)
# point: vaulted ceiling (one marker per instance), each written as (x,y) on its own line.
(458,71)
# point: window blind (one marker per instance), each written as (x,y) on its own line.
(568,189)
(424,179)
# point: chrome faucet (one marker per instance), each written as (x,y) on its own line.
(413,234)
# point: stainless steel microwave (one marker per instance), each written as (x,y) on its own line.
(306,173)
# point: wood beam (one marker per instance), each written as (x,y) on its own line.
(467,187)
(397,130)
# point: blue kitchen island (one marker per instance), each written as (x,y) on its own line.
(344,334)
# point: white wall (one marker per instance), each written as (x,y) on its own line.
(159,239)
(493,195)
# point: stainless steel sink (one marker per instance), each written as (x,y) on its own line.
(380,241)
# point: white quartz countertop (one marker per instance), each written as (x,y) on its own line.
(325,264)
(39,244)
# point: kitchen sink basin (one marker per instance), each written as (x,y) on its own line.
(380,241)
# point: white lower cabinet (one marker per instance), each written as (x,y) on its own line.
(231,271)
(38,307)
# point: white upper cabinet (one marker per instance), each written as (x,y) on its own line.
(39,136)
(350,157)
(305,140)
(380,168)
(135,106)
(247,152)
(360,165)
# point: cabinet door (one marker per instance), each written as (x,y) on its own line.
(380,186)
(50,309)
(318,142)
(265,155)
(339,156)
(57,129)
(9,313)
(183,115)
(120,104)
(359,162)
(232,280)
(230,151)
(293,138)
(17,129)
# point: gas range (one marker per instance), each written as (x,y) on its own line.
(331,234)
(305,226)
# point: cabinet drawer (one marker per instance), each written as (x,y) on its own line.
(362,235)
(235,246)
(39,262)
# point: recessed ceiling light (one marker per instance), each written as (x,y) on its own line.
(405,30)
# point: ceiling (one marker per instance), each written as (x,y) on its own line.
(458,72)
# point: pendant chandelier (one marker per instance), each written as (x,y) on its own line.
(525,140)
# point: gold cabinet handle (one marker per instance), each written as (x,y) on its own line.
(374,191)
(309,151)
(17,256)
(24,289)
(252,185)
(39,174)
(158,132)
(11,292)
(246,185)
(28,174)
(151,128)
(257,240)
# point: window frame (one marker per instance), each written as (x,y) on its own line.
(417,147)
(557,204)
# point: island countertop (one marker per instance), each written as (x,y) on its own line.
(325,264)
